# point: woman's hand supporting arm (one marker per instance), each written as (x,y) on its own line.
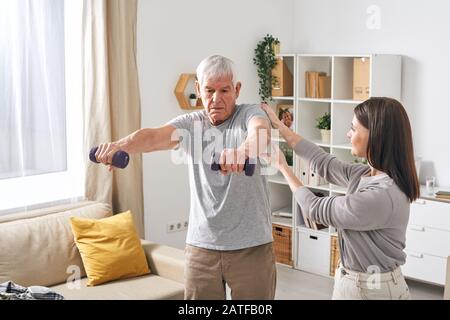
(277,158)
(290,136)
(291,178)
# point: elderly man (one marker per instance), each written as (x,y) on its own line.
(229,239)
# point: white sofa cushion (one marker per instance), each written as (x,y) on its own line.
(148,287)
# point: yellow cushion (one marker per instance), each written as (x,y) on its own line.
(110,248)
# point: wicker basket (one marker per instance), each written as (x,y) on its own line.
(282,243)
(334,255)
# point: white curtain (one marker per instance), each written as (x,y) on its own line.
(32,88)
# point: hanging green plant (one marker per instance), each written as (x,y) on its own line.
(265,59)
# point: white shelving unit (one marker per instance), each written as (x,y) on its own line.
(311,248)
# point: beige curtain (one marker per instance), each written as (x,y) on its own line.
(111,100)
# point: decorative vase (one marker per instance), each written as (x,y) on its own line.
(276,48)
(325,136)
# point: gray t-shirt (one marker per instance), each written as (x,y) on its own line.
(371,219)
(227,212)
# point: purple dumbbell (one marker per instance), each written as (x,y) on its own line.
(249,168)
(120,158)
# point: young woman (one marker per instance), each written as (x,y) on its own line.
(371,219)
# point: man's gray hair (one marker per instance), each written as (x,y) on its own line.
(216,67)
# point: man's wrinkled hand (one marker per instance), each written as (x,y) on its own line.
(105,153)
(232,161)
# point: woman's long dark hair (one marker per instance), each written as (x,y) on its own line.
(390,146)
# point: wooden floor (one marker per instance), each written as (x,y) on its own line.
(293,284)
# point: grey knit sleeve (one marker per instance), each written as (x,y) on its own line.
(361,211)
(327,165)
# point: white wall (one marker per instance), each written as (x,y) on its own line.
(173,37)
(420,31)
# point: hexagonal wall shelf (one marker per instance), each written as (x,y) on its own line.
(181,94)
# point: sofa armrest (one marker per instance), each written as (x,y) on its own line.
(164,261)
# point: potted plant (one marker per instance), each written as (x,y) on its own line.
(193,99)
(287,151)
(265,59)
(324,124)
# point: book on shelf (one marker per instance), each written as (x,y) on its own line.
(443,194)
(318,85)
(324,86)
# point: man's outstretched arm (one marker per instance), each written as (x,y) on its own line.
(140,141)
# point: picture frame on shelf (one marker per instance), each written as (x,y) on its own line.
(285,113)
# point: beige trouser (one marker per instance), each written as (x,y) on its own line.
(250,273)
(352,285)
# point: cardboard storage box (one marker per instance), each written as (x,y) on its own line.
(284,86)
(361,78)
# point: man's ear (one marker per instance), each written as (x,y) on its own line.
(197,88)
(238,88)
